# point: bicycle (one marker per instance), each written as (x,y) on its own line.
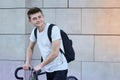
(34,74)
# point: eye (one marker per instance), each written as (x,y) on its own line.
(39,16)
(34,18)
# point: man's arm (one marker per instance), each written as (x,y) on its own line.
(54,53)
(29,55)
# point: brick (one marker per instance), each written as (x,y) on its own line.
(107,48)
(55,3)
(12,3)
(12,21)
(94,3)
(100,21)
(7,69)
(100,71)
(69,20)
(12,47)
(84,46)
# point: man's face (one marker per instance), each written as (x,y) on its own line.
(37,19)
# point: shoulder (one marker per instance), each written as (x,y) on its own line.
(32,35)
(34,29)
(55,27)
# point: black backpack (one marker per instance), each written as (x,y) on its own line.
(67,43)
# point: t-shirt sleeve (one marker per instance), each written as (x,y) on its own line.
(55,33)
(32,36)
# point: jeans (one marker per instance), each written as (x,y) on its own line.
(57,75)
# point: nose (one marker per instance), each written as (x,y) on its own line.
(38,19)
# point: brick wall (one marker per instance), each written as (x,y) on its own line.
(93,25)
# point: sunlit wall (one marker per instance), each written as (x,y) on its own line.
(93,25)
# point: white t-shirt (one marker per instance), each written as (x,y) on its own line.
(59,63)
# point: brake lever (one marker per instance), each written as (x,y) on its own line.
(35,74)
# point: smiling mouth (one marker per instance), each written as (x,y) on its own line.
(38,23)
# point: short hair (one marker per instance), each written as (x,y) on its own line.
(33,11)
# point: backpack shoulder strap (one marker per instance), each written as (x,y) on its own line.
(50,31)
(49,35)
(35,33)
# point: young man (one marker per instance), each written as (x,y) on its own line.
(53,62)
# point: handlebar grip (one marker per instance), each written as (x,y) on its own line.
(16,71)
(37,72)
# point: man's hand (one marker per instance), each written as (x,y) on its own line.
(26,66)
(37,68)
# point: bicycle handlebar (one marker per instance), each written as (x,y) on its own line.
(16,71)
(36,73)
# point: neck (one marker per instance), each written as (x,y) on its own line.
(41,28)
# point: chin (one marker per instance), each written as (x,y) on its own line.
(37,25)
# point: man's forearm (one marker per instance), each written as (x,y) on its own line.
(49,59)
(29,55)
(54,53)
